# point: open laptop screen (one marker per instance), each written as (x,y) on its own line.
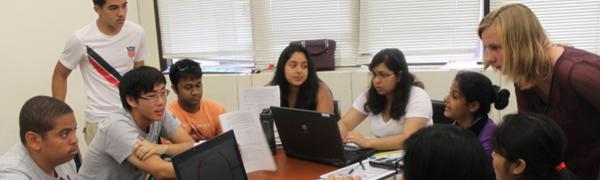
(218,158)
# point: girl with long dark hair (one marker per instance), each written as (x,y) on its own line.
(393,105)
(299,85)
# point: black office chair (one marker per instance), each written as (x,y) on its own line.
(77,160)
(438,112)
(336,110)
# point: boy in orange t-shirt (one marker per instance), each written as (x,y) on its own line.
(198,116)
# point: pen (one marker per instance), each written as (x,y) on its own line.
(361,165)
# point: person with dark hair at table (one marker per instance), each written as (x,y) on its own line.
(125,146)
(199,116)
(395,105)
(469,101)
(445,152)
(530,147)
(48,142)
(299,85)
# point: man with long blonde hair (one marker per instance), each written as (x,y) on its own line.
(558,81)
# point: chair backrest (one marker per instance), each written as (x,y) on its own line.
(336,110)
(438,112)
(77,160)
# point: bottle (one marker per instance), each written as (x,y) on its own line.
(266,121)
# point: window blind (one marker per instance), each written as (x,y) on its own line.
(426,31)
(208,30)
(576,22)
(278,22)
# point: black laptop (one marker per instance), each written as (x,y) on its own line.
(314,136)
(217,158)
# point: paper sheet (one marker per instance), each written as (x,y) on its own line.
(258,98)
(369,172)
(390,154)
(254,149)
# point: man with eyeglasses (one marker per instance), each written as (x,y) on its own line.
(125,145)
(199,116)
(104,50)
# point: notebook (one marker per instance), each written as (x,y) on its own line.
(314,136)
(217,158)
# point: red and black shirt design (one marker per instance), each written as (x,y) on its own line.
(103,68)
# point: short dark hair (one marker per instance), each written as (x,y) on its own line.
(475,86)
(99,2)
(137,82)
(394,60)
(307,94)
(39,113)
(445,152)
(184,69)
(537,140)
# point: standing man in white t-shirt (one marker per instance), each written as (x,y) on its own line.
(48,142)
(104,50)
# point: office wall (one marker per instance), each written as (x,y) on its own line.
(32,36)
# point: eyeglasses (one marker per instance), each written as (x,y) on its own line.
(154,98)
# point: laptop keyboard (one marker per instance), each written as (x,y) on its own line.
(358,154)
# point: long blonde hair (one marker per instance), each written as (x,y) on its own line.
(524,44)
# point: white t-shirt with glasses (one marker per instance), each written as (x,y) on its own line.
(419,105)
(106,157)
